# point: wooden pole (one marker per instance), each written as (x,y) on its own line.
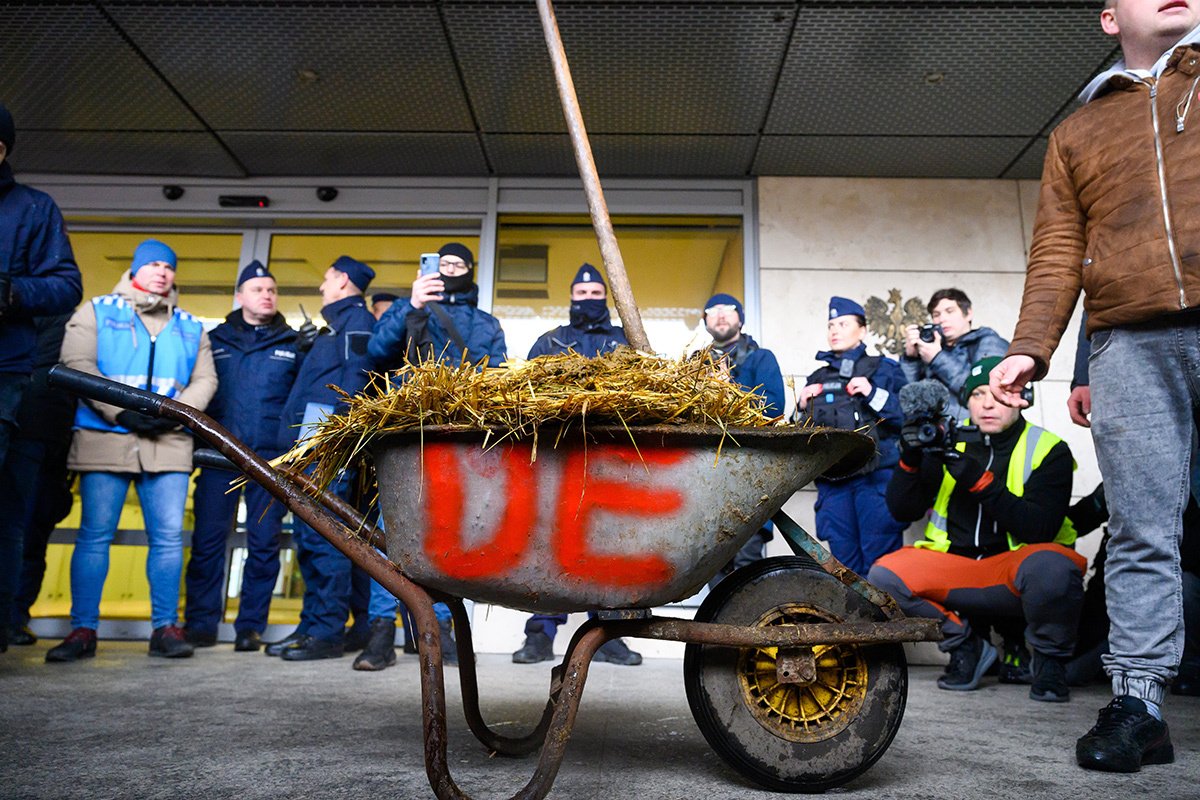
(610,251)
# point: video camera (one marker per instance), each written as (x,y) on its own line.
(927,426)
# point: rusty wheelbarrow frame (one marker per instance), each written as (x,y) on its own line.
(347,530)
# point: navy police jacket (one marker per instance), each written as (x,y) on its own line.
(338,357)
(35,252)
(880,408)
(480,331)
(256,367)
(755,368)
(594,340)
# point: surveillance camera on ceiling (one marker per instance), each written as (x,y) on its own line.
(326,194)
(172,192)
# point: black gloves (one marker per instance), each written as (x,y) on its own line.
(911,455)
(144,425)
(305,337)
(963,468)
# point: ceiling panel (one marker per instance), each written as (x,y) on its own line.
(514,154)
(358,153)
(64,66)
(869,68)
(1028,165)
(530,154)
(887,156)
(638,67)
(246,66)
(123,153)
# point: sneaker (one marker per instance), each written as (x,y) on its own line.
(380,652)
(169,641)
(1014,667)
(80,643)
(449,645)
(614,651)
(968,662)
(538,647)
(1049,680)
(1125,737)
(21,635)
(199,638)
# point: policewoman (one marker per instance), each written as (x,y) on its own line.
(257,361)
(854,391)
(140,337)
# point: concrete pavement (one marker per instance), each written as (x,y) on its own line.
(227,724)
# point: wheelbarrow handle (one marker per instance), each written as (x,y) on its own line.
(102,390)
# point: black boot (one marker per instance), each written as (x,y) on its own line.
(275,648)
(380,652)
(356,637)
(310,648)
(21,636)
(1125,737)
(247,642)
(538,647)
(1049,679)
(614,651)
(968,662)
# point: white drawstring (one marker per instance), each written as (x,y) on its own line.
(1184,106)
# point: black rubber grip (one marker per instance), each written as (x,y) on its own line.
(205,458)
(103,390)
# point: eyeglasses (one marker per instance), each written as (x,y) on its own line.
(721,309)
(452,266)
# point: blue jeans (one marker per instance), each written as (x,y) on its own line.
(852,515)
(162,496)
(1145,390)
(216,510)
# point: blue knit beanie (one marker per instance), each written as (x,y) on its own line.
(148,251)
(727,300)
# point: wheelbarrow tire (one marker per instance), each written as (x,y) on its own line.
(786,737)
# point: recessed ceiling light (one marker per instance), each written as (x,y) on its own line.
(935,77)
(307,75)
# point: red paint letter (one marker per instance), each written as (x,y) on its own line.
(444,514)
(580,496)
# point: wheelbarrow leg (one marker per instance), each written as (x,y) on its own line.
(803,544)
(514,746)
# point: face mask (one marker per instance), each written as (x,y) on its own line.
(456,284)
(589,312)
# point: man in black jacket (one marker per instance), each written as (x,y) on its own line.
(254,350)
(997,544)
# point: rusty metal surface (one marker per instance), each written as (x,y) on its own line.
(713,633)
(795,665)
(804,544)
(601,523)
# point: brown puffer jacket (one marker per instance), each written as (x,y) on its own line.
(102,451)
(1104,222)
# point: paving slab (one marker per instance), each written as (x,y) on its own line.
(226,724)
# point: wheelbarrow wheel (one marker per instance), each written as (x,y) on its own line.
(794,737)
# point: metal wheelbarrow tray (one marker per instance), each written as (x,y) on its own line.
(793,667)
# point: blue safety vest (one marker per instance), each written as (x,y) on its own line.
(128,354)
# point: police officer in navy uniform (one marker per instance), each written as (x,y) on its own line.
(856,391)
(590,333)
(755,369)
(257,361)
(339,357)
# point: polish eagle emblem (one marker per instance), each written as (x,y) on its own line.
(887,320)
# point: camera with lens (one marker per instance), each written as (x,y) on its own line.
(927,426)
(929,331)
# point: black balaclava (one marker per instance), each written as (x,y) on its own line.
(587,314)
(456,284)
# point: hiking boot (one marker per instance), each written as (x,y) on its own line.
(968,662)
(247,642)
(1049,680)
(380,652)
(169,641)
(198,638)
(356,637)
(1125,737)
(275,648)
(80,643)
(614,651)
(538,647)
(21,635)
(1014,667)
(449,645)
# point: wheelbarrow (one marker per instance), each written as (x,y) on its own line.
(793,666)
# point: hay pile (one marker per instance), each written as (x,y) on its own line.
(530,398)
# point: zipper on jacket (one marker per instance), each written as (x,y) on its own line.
(150,371)
(979,510)
(1162,188)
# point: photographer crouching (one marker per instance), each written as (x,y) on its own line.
(997,544)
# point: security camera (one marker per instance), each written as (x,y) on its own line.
(326,194)
(172,192)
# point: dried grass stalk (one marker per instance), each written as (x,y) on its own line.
(525,399)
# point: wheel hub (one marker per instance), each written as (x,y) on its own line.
(803,710)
